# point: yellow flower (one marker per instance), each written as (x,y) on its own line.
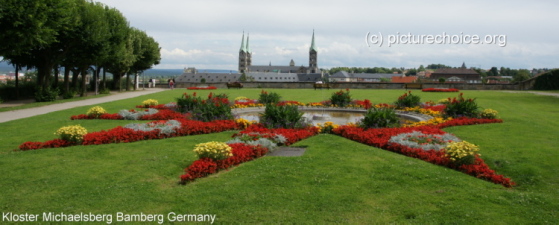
(96,111)
(215,150)
(489,113)
(443,101)
(461,152)
(150,102)
(72,133)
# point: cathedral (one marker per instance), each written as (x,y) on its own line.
(245,61)
(259,73)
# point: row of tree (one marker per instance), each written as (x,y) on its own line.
(366,70)
(77,35)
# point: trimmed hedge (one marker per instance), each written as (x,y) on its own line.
(547,81)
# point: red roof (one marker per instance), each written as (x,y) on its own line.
(398,79)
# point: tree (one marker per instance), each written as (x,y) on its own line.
(437,66)
(493,72)
(33,29)
(421,68)
(146,52)
(521,75)
(121,54)
(411,72)
(88,44)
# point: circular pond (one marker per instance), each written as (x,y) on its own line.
(321,115)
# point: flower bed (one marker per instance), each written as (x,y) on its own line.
(202,88)
(440,90)
(292,135)
(170,105)
(380,138)
(423,140)
(163,114)
(123,135)
(243,152)
(206,166)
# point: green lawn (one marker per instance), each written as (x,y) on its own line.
(336,181)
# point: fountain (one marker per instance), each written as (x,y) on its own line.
(338,116)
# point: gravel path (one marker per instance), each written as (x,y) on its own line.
(24,113)
(536,93)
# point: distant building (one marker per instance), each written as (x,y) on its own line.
(499,79)
(259,73)
(404,79)
(456,75)
(245,61)
(344,76)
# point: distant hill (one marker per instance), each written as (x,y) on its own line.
(5,67)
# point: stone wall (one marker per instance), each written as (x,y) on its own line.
(307,85)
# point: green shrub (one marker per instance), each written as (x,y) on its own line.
(269,98)
(341,98)
(408,100)
(547,81)
(26,90)
(105,91)
(459,107)
(69,94)
(214,108)
(380,117)
(285,116)
(46,94)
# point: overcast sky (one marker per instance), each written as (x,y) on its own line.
(207,34)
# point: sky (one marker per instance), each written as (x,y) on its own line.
(351,33)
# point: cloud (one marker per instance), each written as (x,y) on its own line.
(281,30)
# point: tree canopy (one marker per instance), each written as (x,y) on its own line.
(76,34)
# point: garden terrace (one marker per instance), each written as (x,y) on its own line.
(355,183)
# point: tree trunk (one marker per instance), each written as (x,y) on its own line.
(96,79)
(83,91)
(66,79)
(104,78)
(116,81)
(127,81)
(43,73)
(75,74)
(135,81)
(56,71)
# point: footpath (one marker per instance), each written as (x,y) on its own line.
(24,113)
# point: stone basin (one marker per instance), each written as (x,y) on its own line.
(338,116)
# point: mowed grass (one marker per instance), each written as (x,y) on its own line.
(335,181)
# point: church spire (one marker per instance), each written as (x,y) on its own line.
(313,47)
(243,46)
(313,57)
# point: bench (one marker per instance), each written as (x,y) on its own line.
(327,86)
(413,86)
(234,85)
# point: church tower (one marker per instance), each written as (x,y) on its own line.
(243,56)
(313,58)
(249,54)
